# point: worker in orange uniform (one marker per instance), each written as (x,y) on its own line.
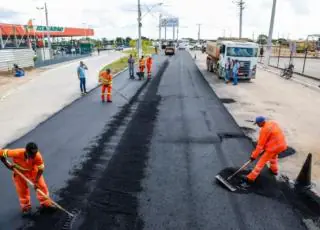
(149,65)
(142,65)
(28,161)
(106,81)
(270,144)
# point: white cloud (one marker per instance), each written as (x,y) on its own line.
(296,18)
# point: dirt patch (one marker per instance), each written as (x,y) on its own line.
(227,100)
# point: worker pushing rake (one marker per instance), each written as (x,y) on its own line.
(28,168)
(270,144)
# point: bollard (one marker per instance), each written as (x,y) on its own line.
(303,180)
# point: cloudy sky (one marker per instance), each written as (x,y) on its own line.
(110,18)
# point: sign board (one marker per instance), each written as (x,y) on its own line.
(170,22)
(51,28)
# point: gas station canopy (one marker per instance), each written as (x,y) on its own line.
(8,30)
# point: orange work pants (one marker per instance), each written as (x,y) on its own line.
(24,192)
(105,88)
(272,158)
(149,70)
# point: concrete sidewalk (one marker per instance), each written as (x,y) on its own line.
(24,107)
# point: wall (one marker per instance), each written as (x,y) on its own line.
(22,57)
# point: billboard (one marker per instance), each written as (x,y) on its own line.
(170,22)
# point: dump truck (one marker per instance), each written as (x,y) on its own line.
(245,52)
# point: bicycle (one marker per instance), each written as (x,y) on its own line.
(287,72)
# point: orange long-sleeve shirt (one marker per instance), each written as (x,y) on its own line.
(21,162)
(271,139)
(105,78)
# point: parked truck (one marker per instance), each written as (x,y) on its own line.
(245,52)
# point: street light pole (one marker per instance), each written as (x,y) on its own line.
(139,31)
(160,18)
(269,46)
(48,29)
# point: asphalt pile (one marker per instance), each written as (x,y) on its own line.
(105,197)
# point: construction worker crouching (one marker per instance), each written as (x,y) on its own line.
(29,162)
(106,84)
(270,144)
(141,68)
(149,65)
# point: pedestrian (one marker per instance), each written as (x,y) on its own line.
(98,51)
(228,70)
(270,144)
(106,84)
(235,71)
(30,163)
(141,68)
(131,62)
(149,66)
(82,77)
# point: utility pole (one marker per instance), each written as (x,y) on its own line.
(48,29)
(165,30)
(160,18)
(173,31)
(273,13)
(240,4)
(139,31)
(199,25)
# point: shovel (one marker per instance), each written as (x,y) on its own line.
(226,182)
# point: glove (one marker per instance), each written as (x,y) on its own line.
(35,186)
(252,158)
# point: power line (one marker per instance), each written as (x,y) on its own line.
(240,4)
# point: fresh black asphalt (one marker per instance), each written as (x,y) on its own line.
(147,163)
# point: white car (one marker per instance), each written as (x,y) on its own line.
(182,46)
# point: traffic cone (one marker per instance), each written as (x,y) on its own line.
(304,178)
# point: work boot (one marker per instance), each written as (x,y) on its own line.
(26,212)
(109,101)
(246,183)
(103,101)
(273,173)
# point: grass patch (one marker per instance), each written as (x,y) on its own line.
(145,51)
(117,65)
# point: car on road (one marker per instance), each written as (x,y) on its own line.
(170,49)
(182,46)
(119,48)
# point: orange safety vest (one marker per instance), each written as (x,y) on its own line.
(141,62)
(21,162)
(105,78)
(271,139)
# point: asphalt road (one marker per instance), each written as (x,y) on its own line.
(149,164)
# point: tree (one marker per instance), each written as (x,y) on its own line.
(133,43)
(119,41)
(262,39)
(128,39)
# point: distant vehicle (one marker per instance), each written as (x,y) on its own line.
(170,49)
(191,46)
(119,48)
(245,52)
(182,46)
(197,46)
